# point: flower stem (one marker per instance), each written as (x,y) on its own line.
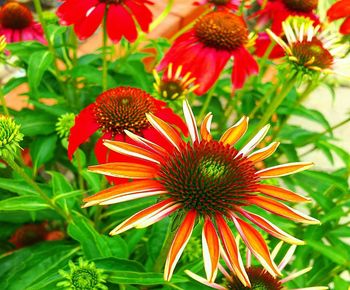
(15,167)
(3,102)
(276,101)
(104,54)
(205,105)
(163,15)
(262,101)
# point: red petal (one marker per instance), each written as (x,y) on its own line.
(72,11)
(170,117)
(339,9)
(85,125)
(88,25)
(345,27)
(142,14)
(281,193)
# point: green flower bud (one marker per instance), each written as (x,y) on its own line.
(84,276)
(64,124)
(10,137)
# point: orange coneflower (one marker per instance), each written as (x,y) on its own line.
(206,180)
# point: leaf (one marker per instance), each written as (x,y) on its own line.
(12,84)
(95,245)
(126,277)
(33,124)
(116,264)
(17,186)
(23,203)
(39,62)
(328,251)
(42,150)
(31,267)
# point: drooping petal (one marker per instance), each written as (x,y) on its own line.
(345,27)
(338,10)
(211,250)
(88,25)
(249,147)
(145,142)
(142,14)
(171,118)
(205,127)
(281,209)
(233,134)
(263,153)
(231,250)
(128,188)
(142,216)
(281,193)
(179,243)
(71,12)
(271,228)
(204,281)
(125,170)
(190,121)
(256,244)
(132,150)
(85,125)
(284,169)
(166,130)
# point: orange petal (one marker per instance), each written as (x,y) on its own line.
(125,170)
(270,228)
(231,249)
(203,281)
(205,127)
(284,169)
(190,121)
(233,134)
(256,244)
(142,216)
(181,239)
(138,139)
(263,153)
(211,250)
(281,193)
(281,209)
(165,129)
(255,141)
(132,150)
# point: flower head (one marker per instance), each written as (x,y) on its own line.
(173,86)
(205,49)
(64,123)
(17,23)
(308,49)
(259,278)
(341,9)
(86,16)
(232,5)
(10,136)
(113,112)
(84,276)
(205,180)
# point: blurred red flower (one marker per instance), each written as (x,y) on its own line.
(341,9)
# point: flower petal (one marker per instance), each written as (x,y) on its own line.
(166,130)
(284,169)
(205,127)
(125,170)
(281,193)
(142,216)
(190,121)
(142,14)
(270,228)
(88,25)
(233,134)
(263,153)
(179,243)
(211,250)
(145,142)
(254,141)
(85,125)
(135,151)
(203,281)
(281,209)
(256,244)
(231,250)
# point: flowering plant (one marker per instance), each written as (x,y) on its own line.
(174,144)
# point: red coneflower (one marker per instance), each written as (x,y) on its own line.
(17,24)
(113,112)
(232,5)
(121,15)
(206,48)
(205,180)
(338,10)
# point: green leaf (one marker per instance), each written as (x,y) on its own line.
(95,245)
(33,124)
(23,203)
(116,264)
(328,251)
(126,277)
(17,186)
(39,62)
(42,150)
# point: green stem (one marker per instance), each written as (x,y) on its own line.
(104,54)
(263,62)
(262,101)
(276,101)
(163,15)
(3,102)
(32,183)
(205,105)
(80,177)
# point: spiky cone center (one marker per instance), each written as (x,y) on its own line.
(14,15)
(122,109)
(10,136)
(259,279)
(301,5)
(64,124)
(171,89)
(312,53)
(222,30)
(208,177)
